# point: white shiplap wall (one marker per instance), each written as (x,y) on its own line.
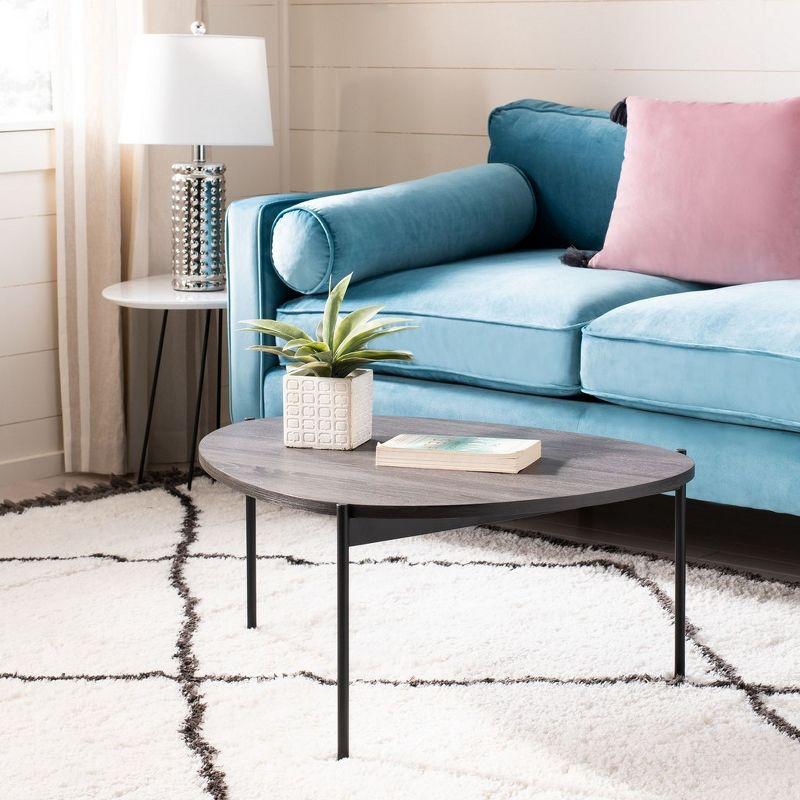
(30,412)
(383,91)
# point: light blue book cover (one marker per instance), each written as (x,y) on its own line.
(478,445)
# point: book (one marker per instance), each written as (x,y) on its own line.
(468,453)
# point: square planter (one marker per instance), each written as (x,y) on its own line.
(327,413)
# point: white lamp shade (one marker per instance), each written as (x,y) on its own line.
(188,89)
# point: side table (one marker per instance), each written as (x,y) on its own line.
(156,292)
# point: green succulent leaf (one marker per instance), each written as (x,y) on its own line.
(376,355)
(288,355)
(330,315)
(311,347)
(367,331)
(343,370)
(315,355)
(271,327)
(345,366)
(359,342)
(353,323)
(318,368)
(340,344)
(267,348)
(293,344)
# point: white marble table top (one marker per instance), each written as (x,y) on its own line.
(156,292)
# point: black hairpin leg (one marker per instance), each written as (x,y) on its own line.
(219,367)
(250,523)
(680,581)
(193,451)
(342,633)
(151,404)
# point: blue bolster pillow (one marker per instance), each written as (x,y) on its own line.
(446,217)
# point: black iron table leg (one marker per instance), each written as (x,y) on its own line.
(193,451)
(680,581)
(151,404)
(369,512)
(219,367)
(342,634)
(250,521)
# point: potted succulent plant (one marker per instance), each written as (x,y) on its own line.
(327,392)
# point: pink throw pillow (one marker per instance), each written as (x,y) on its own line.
(709,192)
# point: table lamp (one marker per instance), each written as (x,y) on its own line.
(199,90)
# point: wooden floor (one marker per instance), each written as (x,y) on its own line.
(757,541)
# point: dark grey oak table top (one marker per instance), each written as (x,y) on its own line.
(575,471)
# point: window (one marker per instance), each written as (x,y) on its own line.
(25,90)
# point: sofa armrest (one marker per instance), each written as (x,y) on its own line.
(254,292)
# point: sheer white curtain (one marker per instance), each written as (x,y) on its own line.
(101,223)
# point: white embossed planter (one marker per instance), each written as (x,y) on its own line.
(327,413)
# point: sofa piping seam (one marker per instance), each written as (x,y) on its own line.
(262,361)
(594,113)
(691,345)
(328,236)
(792,426)
(526,326)
(574,390)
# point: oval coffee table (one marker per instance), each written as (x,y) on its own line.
(375,504)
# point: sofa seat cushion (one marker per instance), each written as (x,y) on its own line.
(730,354)
(506,321)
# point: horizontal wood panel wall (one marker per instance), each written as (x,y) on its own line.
(383,91)
(30,407)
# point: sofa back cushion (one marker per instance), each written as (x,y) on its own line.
(572,156)
(709,192)
(460,214)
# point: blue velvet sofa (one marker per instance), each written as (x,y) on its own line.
(517,337)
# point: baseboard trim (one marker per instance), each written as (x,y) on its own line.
(31,468)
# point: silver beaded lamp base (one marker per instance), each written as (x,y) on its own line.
(198,211)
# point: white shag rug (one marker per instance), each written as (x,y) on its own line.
(485,664)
